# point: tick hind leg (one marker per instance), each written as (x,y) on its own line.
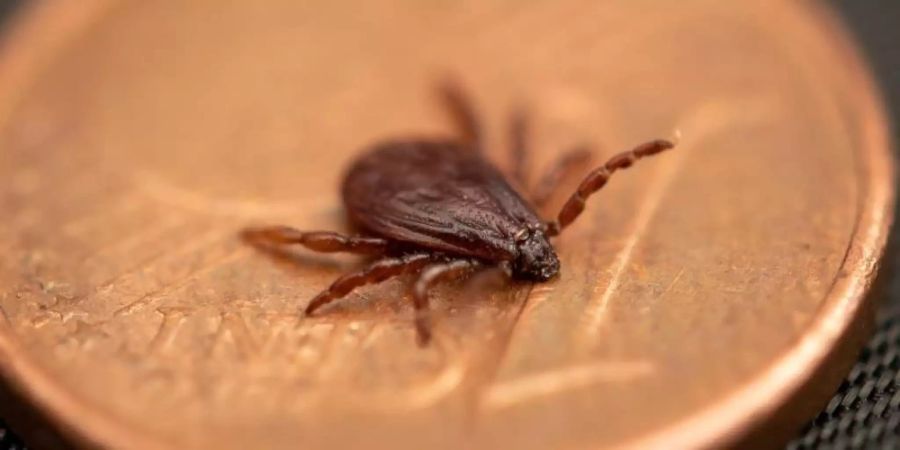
(320,241)
(462,111)
(427,279)
(598,178)
(376,272)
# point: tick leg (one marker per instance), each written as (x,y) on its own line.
(598,178)
(462,112)
(320,241)
(519,150)
(376,272)
(429,276)
(565,166)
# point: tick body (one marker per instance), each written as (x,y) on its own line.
(441,209)
(446,197)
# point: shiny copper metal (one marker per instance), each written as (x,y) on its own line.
(138,138)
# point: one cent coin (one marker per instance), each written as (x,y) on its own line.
(703,300)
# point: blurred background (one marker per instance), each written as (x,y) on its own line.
(865,410)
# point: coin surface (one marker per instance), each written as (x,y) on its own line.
(700,297)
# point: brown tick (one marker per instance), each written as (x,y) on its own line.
(439,208)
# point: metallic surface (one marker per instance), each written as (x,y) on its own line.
(697,295)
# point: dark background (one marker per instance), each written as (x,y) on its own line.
(865,410)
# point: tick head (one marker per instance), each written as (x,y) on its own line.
(536,260)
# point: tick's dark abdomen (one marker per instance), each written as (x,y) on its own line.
(437,194)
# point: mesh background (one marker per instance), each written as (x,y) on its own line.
(865,410)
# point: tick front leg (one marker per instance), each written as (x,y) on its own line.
(376,272)
(320,241)
(429,276)
(598,178)
(565,166)
(462,111)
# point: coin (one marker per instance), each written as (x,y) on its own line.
(703,299)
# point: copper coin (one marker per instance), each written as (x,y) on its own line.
(699,300)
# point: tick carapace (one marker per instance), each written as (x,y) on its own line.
(440,208)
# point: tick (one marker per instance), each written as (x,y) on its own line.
(440,209)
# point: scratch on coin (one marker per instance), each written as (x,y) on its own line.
(124,205)
(704,121)
(492,364)
(539,294)
(69,195)
(151,297)
(168,193)
(530,387)
(595,312)
(419,395)
(536,295)
(416,396)
(507,337)
(135,238)
(672,284)
(140,265)
(195,244)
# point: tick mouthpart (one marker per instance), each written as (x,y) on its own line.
(536,260)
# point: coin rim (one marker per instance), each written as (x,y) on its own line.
(728,421)
(43,28)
